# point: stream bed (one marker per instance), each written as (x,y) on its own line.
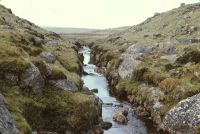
(98,81)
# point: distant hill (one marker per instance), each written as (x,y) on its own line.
(69,30)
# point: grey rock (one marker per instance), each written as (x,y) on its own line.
(65,84)
(106,125)
(188,40)
(168,48)
(32,80)
(47,69)
(48,57)
(171,58)
(11,78)
(52,42)
(7,124)
(121,116)
(94,90)
(132,58)
(184,117)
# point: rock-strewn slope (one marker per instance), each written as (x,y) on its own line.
(156,65)
(38,72)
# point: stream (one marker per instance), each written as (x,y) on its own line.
(110,104)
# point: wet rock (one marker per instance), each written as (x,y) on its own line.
(94,90)
(106,125)
(7,125)
(32,80)
(121,116)
(11,78)
(170,58)
(48,57)
(85,73)
(65,84)
(184,117)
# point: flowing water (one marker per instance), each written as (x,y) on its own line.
(110,104)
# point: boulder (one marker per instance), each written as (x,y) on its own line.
(94,90)
(170,58)
(132,58)
(106,125)
(6,27)
(184,117)
(168,48)
(48,57)
(121,116)
(7,125)
(65,84)
(32,79)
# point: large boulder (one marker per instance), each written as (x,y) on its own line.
(48,57)
(65,84)
(32,79)
(184,117)
(7,124)
(132,58)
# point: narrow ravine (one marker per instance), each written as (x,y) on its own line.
(98,81)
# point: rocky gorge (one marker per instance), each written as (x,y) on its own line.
(154,65)
(139,79)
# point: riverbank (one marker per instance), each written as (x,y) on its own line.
(95,80)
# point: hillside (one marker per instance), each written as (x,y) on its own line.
(69,30)
(40,84)
(156,65)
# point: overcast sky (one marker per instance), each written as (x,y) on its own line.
(89,13)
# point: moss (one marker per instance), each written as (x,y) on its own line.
(168,84)
(41,66)
(148,76)
(11,59)
(54,110)
(198,129)
(14,65)
(57,73)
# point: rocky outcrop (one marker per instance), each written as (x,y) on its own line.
(184,117)
(64,84)
(32,80)
(48,57)
(132,58)
(7,124)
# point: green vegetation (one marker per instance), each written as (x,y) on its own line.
(54,110)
